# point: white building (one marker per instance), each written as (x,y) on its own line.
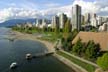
(76,17)
(38,22)
(55,22)
(44,24)
(94,21)
(87,18)
(28,25)
(99,20)
(50,25)
(103,27)
(62,20)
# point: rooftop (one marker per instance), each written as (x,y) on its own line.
(97,37)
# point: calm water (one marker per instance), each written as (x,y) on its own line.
(14,51)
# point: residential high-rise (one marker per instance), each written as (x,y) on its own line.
(94,21)
(99,20)
(38,22)
(76,17)
(104,19)
(62,20)
(82,20)
(44,23)
(55,22)
(87,18)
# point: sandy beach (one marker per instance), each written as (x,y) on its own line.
(19,35)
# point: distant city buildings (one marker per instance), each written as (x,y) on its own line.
(87,18)
(82,20)
(38,22)
(44,24)
(28,25)
(78,21)
(99,20)
(104,27)
(62,20)
(76,17)
(94,21)
(55,22)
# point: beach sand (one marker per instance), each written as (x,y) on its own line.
(19,35)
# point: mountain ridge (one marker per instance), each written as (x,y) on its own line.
(13,22)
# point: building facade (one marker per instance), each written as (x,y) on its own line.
(94,21)
(62,20)
(76,17)
(87,18)
(55,22)
(38,22)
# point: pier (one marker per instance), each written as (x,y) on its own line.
(43,54)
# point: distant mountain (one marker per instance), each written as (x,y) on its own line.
(13,22)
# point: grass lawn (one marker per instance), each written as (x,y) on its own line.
(84,65)
(51,36)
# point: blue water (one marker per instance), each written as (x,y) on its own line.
(14,51)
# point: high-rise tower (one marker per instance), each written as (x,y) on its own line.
(76,17)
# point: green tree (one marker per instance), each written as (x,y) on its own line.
(77,48)
(91,50)
(74,33)
(67,26)
(103,61)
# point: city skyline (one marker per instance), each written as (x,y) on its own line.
(34,9)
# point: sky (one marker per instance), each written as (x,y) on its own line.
(13,9)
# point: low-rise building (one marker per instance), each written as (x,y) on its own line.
(98,37)
(28,25)
(103,27)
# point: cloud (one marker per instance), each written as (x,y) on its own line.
(105,9)
(30,9)
(97,6)
(13,13)
(51,5)
(4,15)
(87,6)
(54,11)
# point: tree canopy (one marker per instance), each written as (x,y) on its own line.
(103,61)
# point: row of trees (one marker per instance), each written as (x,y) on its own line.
(67,38)
(88,50)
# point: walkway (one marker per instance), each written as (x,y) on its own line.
(69,63)
(86,61)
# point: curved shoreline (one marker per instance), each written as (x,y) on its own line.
(50,48)
(19,35)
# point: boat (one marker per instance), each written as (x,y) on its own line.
(28,56)
(13,65)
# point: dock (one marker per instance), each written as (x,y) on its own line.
(43,54)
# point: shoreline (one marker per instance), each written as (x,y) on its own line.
(70,64)
(50,48)
(24,36)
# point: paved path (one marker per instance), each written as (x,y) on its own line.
(86,61)
(69,63)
